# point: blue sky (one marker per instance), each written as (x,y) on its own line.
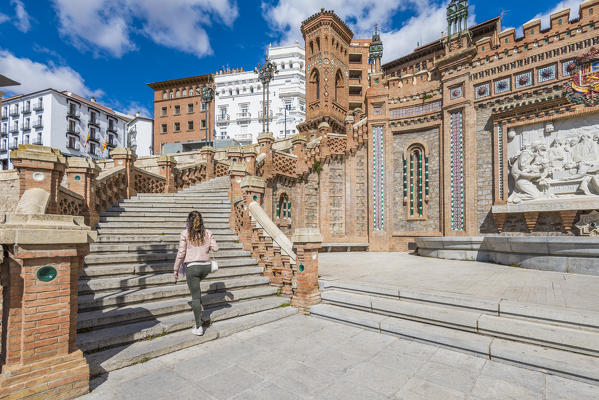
(111,48)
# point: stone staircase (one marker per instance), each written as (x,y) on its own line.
(131,308)
(557,340)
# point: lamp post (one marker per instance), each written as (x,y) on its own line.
(207,96)
(266,73)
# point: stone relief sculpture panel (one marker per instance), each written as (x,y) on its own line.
(554,160)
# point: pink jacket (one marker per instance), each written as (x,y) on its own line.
(189,253)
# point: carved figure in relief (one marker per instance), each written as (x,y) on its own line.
(586,150)
(526,173)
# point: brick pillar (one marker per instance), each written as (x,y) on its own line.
(39,320)
(265,141)
(40,167)
(249,155)
(234,154)
(299,149)
(306,244)
(167,164)
(253,188)
(81,175)
(207,154)
(126,158)
(237,172)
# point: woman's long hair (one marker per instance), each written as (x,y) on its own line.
(195,228)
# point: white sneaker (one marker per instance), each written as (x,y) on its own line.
(198,331)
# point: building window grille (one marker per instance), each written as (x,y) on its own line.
(189,108)
(190,125)
(177,127)
(415,180)
(283,209)
(163,128)
(163,112)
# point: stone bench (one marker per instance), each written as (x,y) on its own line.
(567,208)
(347,246)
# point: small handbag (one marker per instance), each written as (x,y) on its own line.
(213,265)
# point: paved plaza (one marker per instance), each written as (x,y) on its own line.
(304,357)
(479,279)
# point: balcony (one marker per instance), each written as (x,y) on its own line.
(111,143)
(38,106)
(27,126)
(38,125)
(37,141)
(223,118)
(13,145)
(14,111)
(25,139)
(27,109)
(73,114)
(74,130)
(14,129)
(4,131)
(94,122)
(244,116)
(111,128)
(3,147)
(4,114)
(94,137)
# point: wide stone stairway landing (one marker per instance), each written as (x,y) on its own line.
(131,308)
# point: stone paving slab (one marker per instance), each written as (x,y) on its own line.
(463,277)
(302,357)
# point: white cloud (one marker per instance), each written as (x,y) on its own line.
(35,76)
(573,5)
(21,16)
(110,25)
(4,18)
(134,107)
(426,24)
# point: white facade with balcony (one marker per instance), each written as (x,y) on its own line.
(63,120)
(238,98)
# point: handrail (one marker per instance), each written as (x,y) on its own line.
(263,221)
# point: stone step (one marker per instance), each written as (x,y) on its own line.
(180,218)
(214,305)
(153,205)
(124,257)
(123,356)
(177,200)
(91,272)
(578,340)
(172,216)
(131,296)
(155,231)
(98,285)
(171,224)
(156,238)
(170,208)
(107,337)
(98,247)
(565,363)
(568,317)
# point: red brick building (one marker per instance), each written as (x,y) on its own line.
(181,116)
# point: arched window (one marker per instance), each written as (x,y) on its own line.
(284,207)
(318,44)
(171,94)
(185,92)
(178,93)
(338,84)
(415,180)
(315,81)
(164,95)
(311,47)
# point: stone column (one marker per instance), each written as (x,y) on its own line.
(167,164)
(39,321)
(253,188)
(306,244)
(81,176)
(237,171)
(207,154)
(126,158)
(40,167)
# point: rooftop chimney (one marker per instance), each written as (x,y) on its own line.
(93,99)
(137,114)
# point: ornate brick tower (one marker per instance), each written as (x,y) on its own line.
(327,40)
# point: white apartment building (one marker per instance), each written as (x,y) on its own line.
(238,98)
(140,134)
(63,120)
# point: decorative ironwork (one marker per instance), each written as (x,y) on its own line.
(378,173)
(457,170)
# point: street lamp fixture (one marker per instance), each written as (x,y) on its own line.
(207,96)
(266,73)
